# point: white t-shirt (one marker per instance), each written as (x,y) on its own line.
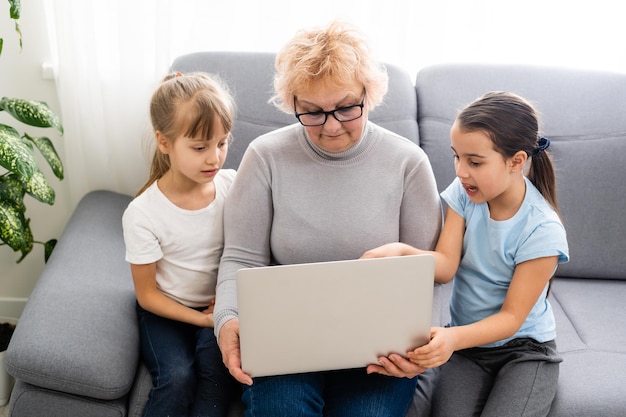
(185,244)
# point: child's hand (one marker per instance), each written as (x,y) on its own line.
(211,307)
(437,351)
(209,314)
(390,249)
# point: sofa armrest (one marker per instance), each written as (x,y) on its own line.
(78,333)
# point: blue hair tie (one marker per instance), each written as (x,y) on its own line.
(542,144)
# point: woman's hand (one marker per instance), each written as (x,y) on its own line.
(395,365)
(231,353)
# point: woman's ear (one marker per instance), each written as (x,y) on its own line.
(518,161)
(162,142)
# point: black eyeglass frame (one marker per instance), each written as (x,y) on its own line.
(332,112)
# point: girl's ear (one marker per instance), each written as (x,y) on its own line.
(518,161)
(162,142)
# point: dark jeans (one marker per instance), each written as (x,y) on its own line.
(188,375)
(349,393)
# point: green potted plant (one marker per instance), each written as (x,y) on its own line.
(20,176)
(17,156)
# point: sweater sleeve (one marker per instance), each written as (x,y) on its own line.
(421,212)
(247,222)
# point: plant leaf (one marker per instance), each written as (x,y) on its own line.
(33,113)
(16,8)
(18,30)
(12,192)
(14,13)
(49,153)
(15,155)
(28,238)
(48,248)
(12,227)
(38,187)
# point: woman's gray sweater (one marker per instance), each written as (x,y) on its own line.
(291,203)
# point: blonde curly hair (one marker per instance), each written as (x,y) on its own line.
(337,55)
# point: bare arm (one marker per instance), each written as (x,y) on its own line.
(151,299)
(447,253)
(447,258)
(529,281)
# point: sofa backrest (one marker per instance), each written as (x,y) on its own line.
(584,115)
(249,76)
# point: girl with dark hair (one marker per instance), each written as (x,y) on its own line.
(501,241)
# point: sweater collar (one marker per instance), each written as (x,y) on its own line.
(351,153)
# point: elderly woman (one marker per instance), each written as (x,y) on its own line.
(327,188)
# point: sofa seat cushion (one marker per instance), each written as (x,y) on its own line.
(28,401)
(81,338)
(591,338)
(590,314)
(590,380)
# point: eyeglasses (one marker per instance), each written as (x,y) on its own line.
(342,114)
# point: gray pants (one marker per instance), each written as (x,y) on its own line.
(516,379)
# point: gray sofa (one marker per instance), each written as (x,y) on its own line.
(75,350)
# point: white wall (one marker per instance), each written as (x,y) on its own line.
(21,77)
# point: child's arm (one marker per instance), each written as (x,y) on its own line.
(447,253)
(529,281)
(151,299)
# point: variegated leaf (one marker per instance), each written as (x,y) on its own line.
(14,12)
(28,239)
(49,153)
(12,192)
(39,188)
(12,227)
(15,155)
(33,113)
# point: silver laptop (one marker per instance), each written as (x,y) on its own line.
(333,315)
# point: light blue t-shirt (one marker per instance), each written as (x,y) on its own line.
(492,249)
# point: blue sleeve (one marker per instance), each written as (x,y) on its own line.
(455,197)
(547,239)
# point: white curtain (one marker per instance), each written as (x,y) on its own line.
(110,54)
